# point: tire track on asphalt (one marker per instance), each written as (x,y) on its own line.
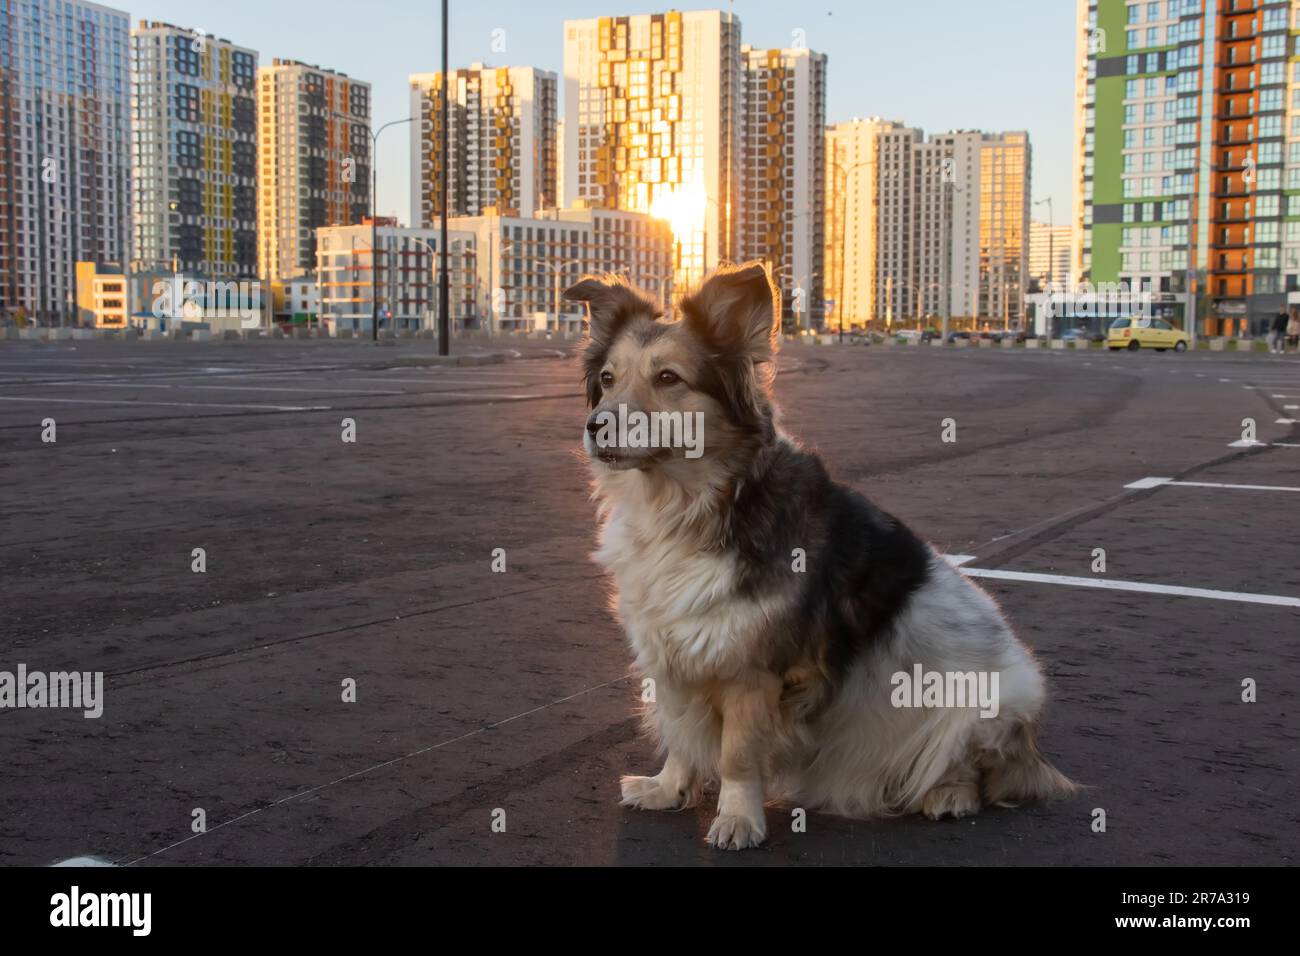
(620,731)
(401,832)
(1085,421)
(147,672)
(1051,528)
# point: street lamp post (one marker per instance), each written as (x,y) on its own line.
(444,290)
(1051,247)
(557,269)
(374,224)
(661,281)
(433,261)
(492,263)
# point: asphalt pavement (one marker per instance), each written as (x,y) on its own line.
(494,711)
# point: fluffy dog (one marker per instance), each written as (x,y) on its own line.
(773,608)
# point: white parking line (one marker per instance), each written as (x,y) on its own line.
(1262,444)
(1145,483)
(124,401)
(1107,584)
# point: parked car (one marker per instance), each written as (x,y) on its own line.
(919,335)
(1134,333)
(954,335)
(1075,335)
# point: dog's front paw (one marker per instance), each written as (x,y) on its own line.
(652,793)
(954,800)
(731,831)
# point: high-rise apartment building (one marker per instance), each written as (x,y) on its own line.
(313,141)
(1049,255)
(998,189)
(849,253)
(653,124)
(927,229)
(782,208)
(501,142)
(193,151)
(64,150)
(1188,156)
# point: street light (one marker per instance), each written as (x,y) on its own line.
(492,262)
(444,290)
(557,269)
(374,223)
(433,262)
(1051,245)
(661,282)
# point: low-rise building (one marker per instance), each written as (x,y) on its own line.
(525,263)
(405,272)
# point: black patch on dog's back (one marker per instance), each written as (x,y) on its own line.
(862,564)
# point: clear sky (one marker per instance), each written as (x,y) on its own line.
(937,64)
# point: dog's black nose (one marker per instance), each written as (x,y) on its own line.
(593,425)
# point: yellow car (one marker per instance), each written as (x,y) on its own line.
(1140,332)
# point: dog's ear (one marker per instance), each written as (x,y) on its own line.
(735,311)
(611,304)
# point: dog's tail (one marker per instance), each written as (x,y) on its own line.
(1017,772)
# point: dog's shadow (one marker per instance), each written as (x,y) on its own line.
(668,838)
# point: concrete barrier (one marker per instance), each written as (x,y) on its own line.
(1009,342)
(1033,343)
(343,334)
(251,334)
(960,343)
(985,343)
(200,335)
(1218,344)
(154,335)
(1058,343)
(231,335)
(13,332)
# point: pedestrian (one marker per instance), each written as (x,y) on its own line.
(1293,330)
(1277,341)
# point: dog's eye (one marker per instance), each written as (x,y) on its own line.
(669,377)
(606,379)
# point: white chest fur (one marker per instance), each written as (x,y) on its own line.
(679,605)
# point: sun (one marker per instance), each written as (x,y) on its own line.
(683,208)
